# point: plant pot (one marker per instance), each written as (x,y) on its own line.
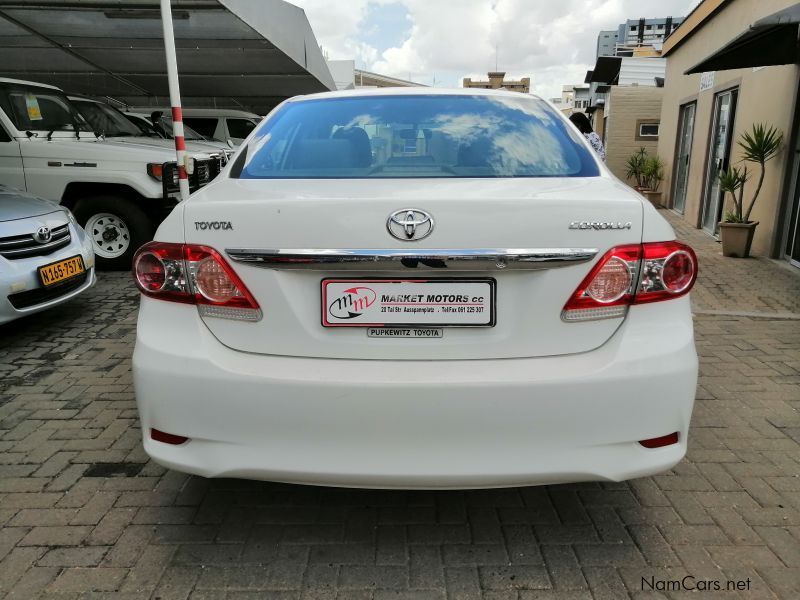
(737,238)
(655,198)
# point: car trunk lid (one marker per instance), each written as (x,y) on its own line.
(304,219)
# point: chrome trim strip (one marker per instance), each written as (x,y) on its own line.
(366,259)
(49,247)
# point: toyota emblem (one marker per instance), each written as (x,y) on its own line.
(410,224)
(42,235)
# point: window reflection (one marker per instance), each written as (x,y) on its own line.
(417,136)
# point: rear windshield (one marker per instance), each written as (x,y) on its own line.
(416,136)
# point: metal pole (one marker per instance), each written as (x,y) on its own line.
(175,97)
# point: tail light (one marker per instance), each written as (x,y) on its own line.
(633,274)
(193,274)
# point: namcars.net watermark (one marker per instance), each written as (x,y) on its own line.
(689,583)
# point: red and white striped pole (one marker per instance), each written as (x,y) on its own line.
(175,97)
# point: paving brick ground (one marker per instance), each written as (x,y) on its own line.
(84,514)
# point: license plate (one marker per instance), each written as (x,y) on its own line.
(61,271)
(408,302)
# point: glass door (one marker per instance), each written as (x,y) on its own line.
(793,234)
(718,158)
(793,245)
(685,132)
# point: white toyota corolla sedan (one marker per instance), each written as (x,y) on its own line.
(416,289)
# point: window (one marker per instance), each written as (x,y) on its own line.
(633,27)
(166,127)
(144,125)
(648,27)
(34,108)
(206,126)
(415,136)
(106,120)
(240,128)
(647,130)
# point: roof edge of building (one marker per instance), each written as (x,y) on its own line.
(388,78)
(692,23)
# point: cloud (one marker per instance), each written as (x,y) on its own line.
(552,42)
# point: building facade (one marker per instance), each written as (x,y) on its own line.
(625,106)
(704,114)
(606,43)
(631,118)
(497,80)
(635,33)
(566,102)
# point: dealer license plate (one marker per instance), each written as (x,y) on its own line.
(61,271)
(408,302)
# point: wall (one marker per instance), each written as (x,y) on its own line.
(765,95)
(598,122)
(625,106)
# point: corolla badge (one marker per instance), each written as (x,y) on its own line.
(600,225)
(410,224)
(352,302)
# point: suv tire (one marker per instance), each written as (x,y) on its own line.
(116,227)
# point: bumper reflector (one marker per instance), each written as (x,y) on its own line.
(167,438)
(660,442)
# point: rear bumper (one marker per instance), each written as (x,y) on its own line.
(415,424)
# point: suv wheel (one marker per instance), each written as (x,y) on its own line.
(116,227)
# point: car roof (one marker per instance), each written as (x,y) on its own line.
(24,82)
(218,112)
(85,98)
(414,91)
(195,112)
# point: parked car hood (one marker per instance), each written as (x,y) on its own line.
(19,205)
(191,146)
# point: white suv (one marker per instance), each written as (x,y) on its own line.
(221,124)
(119,192)
(112,124)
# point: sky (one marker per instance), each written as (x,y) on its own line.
(441,41)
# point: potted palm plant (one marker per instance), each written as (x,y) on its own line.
(759,145)
(736,238)
(653,175)
(635,166)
